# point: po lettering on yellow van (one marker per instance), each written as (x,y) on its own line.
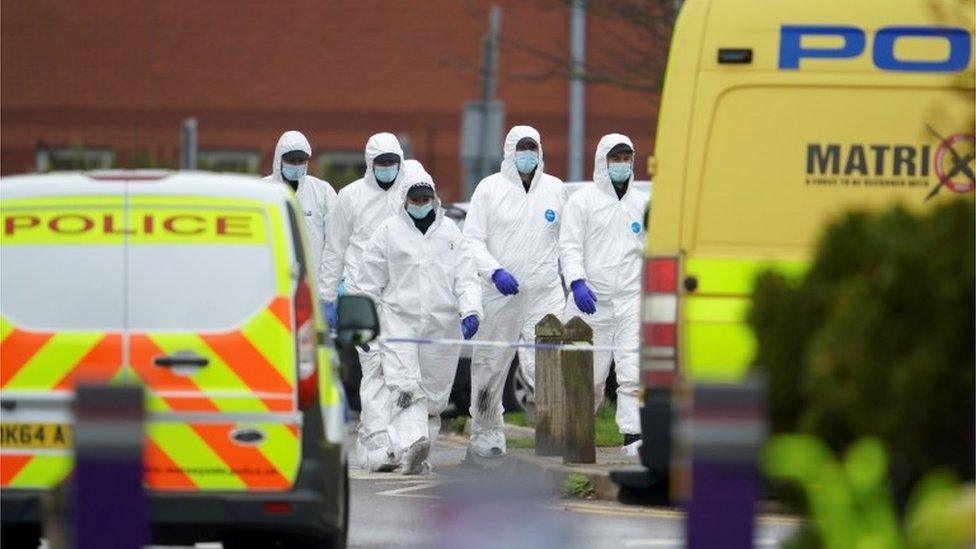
(776,118)
(31,225)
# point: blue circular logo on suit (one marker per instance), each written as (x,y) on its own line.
(635,227)
(550,216)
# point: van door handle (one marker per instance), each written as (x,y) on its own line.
(181,358)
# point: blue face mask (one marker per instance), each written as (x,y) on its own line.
(420,212)
(292,172)
(619,172)
(386,174)
(526,161)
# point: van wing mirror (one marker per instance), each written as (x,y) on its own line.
(358,322)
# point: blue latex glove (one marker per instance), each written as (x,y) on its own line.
(469,326)
(583,296)
(331,315)
(505,282)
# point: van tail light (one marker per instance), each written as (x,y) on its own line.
(659,354)
(305,340)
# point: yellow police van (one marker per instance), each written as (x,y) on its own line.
(776,117)
(195,286)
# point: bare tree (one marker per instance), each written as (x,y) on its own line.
(634,60)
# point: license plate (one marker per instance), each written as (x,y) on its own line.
(52,436)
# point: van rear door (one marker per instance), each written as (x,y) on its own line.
(209,314)
(776,150)
(61,315)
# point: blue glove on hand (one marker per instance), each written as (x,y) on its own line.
(469,326)
(583,296)
(331,316)
(505,282)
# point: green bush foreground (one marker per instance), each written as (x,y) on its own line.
(878,339)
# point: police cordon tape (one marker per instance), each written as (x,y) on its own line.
(506,344)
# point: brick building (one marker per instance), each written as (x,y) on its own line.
(89,83)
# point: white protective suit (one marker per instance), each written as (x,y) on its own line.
(424,283)
(602,242)
(509,228)
(315,197)
(363,206)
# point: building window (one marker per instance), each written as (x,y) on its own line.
(73,158)
(229,161)
(340,168)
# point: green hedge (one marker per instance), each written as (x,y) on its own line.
(878,338)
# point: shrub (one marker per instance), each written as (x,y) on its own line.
(878,338)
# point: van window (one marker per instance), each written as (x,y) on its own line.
(780,161)
(51,287)
(205,283)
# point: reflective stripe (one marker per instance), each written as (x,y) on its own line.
(263,395)
(41,471)
(224,417)
(266,333)
(10,465)
(283,271)
(736,276)
(716,309)
(103,363)
(717,343)
(6,328)
(162,473)
(53,361)
(718,351)
(195,458)
(279,448)
(142,350)
(16,351)
(246,462)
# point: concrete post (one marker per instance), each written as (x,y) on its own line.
(550,398)
(577,367)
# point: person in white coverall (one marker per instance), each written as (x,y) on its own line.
(418,269)
(316,198)
(363,206)
(602,248)
(513,228)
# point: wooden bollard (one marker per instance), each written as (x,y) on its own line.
(577,368)
(550,397)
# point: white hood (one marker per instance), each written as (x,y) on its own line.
(291,140)
(600,175)
(516,134)
(415,174)
(382,143)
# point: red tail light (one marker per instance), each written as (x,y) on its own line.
(277,508)
(659,356)
(306,345)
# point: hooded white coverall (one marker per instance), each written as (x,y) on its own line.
(509,228)
(363,206)
(602,242)
(424,283)
(315,197)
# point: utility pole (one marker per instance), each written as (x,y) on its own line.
(482,120)
(489,84)
(188,144)
(577,89)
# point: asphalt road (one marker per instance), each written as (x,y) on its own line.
(461,505)
(470,507)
